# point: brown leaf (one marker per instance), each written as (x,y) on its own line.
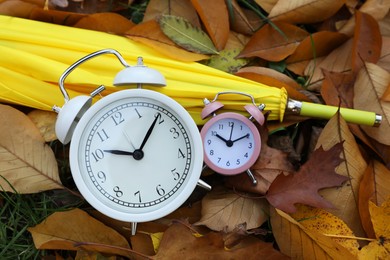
(223,209)
(216,22)
(150,33)
(274,78)
(304,11)
(267,5)
(375,187)
(298,242)
(19,8)
(316,45)
(26,162)
(55,17)
(337,89)
(45,122)
(182,8)
(371,83)
(75,229)
(302,187)
(367,41)
(179,242)
(105,22)
(243,20)
(344,198)
(274,45)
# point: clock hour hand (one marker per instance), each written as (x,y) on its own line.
(242,137)
(229,143)
(118,152)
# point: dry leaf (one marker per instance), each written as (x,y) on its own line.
(215,18)
(298,242)
(19,8)
(380,248)
(26,162)
(45,121)
(367,41)
(243,20)
(179,242)
(304,11)
(302,187)
(267,5)
(316,45)
(223,209)
(344,198)
(150,34)
(371,82)
(274,44)
(186,35)
(337,89)
(323,222)
(105,22)
(75,229)
(226,61)
(56,17)
(182,8)
(375,187)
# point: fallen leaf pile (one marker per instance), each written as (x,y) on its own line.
(331,202)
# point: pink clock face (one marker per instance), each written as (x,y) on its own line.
(231,143)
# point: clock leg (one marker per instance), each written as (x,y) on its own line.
(252,177)
(133,228)
(204,185)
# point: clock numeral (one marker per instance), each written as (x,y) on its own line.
(246,155)
(139,115)
(102,176)
(227,163)
(103,135)
(160,191)
(238,162)
(174,132)
(213,133)
(250,145)
(98,155)
(118,192)
(220,126)
(219,159)
(160,119)
(211,152)
(180,154)
(175,174)
(231,124)
(208,141)
(138,194)
(117,118)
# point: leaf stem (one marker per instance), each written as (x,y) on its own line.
(350,237)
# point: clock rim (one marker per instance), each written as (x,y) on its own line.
(193,176)
(256,137)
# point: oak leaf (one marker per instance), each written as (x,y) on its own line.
(223,209)
(299,242)
(74,230)
(302,187)
(179,242)
(27,163)
(274,42)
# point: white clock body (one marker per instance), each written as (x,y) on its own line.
(119,180)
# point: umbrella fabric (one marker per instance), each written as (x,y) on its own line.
(35,54)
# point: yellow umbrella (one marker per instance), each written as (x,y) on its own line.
(35,54)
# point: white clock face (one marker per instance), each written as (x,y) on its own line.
(136,156)
(231,143)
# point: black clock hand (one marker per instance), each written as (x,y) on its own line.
(242,137)
(229,143)
(149,132)
(231,131)
(118,152)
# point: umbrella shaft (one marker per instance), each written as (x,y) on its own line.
(326,112)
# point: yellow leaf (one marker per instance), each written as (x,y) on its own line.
(371,83)
(45,122)
(323,222)
(304,11)
(298,242)
(344,198)
(75,229)
(26,162)
(223,208)
(380,248)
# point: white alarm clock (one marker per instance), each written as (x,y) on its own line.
(136,155)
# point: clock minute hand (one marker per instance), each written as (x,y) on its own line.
(242,137)
(149,132)
(118,152)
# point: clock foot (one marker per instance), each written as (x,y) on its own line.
(252,177)
(204,185)
(133,228)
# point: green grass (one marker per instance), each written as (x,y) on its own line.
(19,212)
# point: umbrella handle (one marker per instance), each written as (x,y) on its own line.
(326,112)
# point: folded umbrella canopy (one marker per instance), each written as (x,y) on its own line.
(35,54)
